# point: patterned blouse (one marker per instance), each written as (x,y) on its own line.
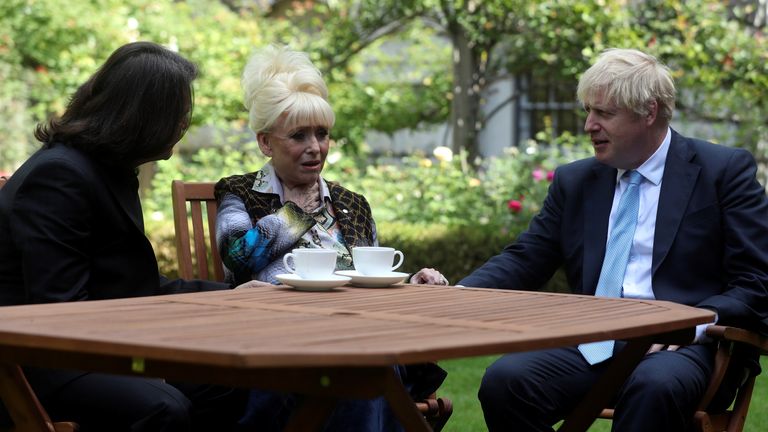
(256,227)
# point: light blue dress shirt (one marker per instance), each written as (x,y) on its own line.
(637,279)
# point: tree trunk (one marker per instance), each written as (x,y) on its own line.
(465,106)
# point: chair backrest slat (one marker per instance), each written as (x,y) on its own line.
(201,254)
(212,208)
(198,255)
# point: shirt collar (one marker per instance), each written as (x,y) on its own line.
(268,182)
(653,168)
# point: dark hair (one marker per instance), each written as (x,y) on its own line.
(132,110)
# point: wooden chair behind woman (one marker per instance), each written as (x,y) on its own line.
(197,251)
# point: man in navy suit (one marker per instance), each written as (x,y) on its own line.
(701,239)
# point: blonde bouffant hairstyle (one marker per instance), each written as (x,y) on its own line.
(280,82)
(631,79)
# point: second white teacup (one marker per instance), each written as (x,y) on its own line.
(375,261)
(311,263)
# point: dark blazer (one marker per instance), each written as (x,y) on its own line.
(710,246)
(71,229)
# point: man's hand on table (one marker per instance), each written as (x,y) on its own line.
(428,276)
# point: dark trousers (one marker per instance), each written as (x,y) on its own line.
(104,402)
(532,391)
(271,411)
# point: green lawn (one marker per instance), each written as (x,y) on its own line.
(464,378)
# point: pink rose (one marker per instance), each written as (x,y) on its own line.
(515,206)
(550,175)
(538,174)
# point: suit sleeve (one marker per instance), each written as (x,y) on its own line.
(744,209)
(50,223)
(178,286)
(531,260)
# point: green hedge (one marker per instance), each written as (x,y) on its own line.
(454,251)
(162,235)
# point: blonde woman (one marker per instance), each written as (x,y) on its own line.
(287,205)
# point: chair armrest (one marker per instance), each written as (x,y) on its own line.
(740,335)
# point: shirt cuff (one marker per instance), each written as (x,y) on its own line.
(701,335)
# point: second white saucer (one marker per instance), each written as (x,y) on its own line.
(327,283)
(379,281)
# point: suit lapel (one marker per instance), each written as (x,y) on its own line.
(125,192)
(598,197)
(676,188)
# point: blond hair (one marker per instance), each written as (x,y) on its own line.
(630,79)
(280,82)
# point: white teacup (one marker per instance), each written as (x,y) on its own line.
(311,263)
(375,261)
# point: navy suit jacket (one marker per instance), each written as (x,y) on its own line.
(72,229)
(710,247)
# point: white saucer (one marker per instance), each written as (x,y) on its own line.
(326,284)
(378,281)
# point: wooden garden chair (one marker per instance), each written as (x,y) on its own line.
(733,418)
(196,250)
(199,258)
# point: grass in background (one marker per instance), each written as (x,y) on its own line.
(461,388)
(464,378)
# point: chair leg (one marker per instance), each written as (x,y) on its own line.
(22,404)
(702,422)
(606,413)
(741,406)
(445,409)
(20,400)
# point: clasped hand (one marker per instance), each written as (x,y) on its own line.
(429,276)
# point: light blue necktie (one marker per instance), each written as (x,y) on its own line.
(615,262)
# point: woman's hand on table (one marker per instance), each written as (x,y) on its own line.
(428,276)
(255,284)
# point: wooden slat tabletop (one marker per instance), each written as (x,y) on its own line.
(281,327)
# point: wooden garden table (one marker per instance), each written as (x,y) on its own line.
(328,345)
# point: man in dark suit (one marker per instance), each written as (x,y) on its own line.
(699,237)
